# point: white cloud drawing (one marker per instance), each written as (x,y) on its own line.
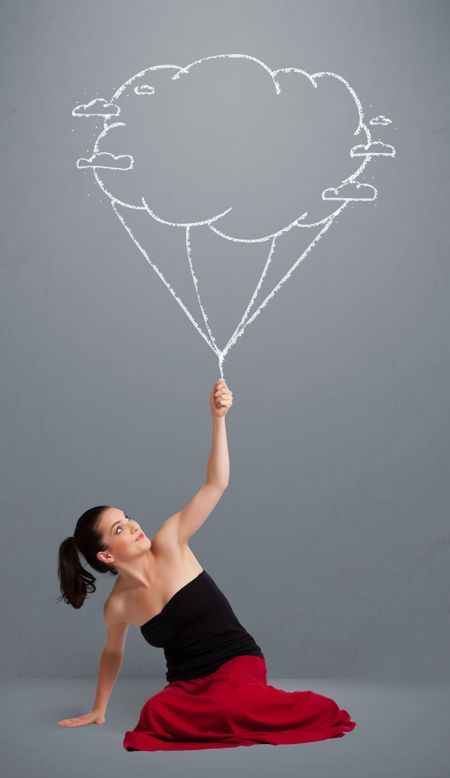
(352,190)
(374,149)
(144,89)
(230,146)
(107,161)
(97,107)
(380,120)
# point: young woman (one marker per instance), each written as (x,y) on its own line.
(217,694)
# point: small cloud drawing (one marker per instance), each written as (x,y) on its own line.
(144,89)
(97,107)
(106,160)
(352,190)
(380,120)
(375,149)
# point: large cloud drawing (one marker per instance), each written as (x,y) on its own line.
(228,145)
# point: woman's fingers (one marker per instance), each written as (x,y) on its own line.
(222,389)
(80,721)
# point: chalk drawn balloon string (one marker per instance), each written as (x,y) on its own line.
(243,324)
(240,329)
(195,280)
(161,276)
(221,353)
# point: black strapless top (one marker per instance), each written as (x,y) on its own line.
(198,631)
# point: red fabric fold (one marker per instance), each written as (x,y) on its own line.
(234,706)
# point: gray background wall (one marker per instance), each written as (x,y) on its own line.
(332,539)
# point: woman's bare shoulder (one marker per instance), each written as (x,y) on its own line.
(173,561)
(114,606)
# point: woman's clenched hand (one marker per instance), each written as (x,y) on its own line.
(220,399)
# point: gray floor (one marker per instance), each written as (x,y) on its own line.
(402,731)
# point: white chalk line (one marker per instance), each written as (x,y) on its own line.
(195,280)
(221,353)
(161,276)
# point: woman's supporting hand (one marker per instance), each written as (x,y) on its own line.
(220,399)
(93,717)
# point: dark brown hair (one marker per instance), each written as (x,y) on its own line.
(74,581)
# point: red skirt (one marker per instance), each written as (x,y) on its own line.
(234,706)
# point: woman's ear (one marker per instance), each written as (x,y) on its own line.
(105,557)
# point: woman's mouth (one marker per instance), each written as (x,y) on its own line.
(140,536)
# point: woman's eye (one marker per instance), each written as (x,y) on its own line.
(117,530)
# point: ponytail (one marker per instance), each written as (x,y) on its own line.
(75,582)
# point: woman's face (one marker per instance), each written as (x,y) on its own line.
(122,535)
